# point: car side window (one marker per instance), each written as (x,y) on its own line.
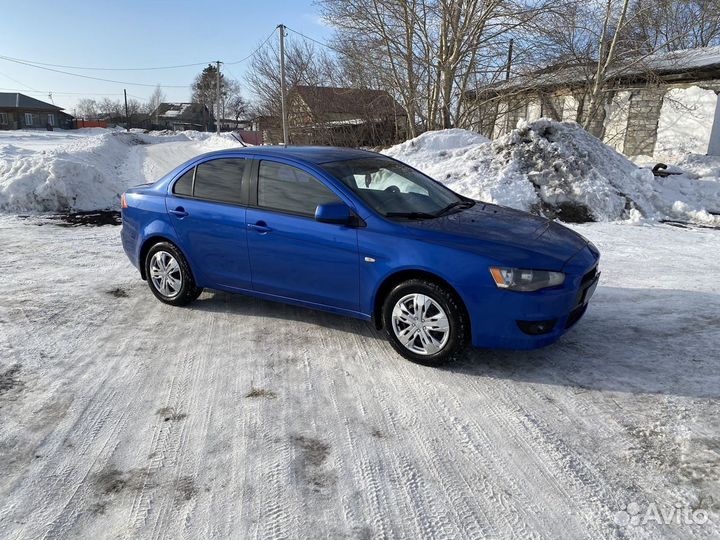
(288,189)
(219,180)
(184,185)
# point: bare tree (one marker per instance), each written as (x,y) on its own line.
(427,52)
(86,108)
(110,108)
(154,101)
(674,24)
(614,22)
(304,64)
(236,107)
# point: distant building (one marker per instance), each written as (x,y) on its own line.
(269,127)
(326,115)
(18,111)
(230,124)
(665,103)
(182,116)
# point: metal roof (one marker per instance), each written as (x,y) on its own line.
(16,100)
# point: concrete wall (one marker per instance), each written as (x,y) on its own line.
(629,120)
(642,122)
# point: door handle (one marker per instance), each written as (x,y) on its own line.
(179,212)
(260,227)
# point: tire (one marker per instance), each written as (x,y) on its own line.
(423,339)
(169,276)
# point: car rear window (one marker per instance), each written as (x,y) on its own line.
(220,180)
(285,188)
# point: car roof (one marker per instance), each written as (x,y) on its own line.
(311,154)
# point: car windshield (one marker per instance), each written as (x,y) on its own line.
(395,190)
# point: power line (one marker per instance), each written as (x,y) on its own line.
(18,82)
(101,68)
(45,93)
(53,67)
(88,76)
(322,44)
(254,51)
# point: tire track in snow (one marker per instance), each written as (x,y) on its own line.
(88,425)
(553,457)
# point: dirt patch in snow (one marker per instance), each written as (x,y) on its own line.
(111,481)
(88,219)
(312,456)
(117,292)
(170,414)
(9,379)
(186,489)
(260,393)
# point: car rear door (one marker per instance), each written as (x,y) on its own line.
(206,207)
(291,254)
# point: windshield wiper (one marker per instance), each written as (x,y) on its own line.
(410,215)
(456,204)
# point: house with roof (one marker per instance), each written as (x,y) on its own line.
(18,111)
(325,115)
(664,103)
(182,116)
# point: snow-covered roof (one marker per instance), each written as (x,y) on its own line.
(685,59)
(659,63)
(178,110)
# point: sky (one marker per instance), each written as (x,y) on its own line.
(138,34)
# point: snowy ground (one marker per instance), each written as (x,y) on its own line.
(239,418)
(121,417)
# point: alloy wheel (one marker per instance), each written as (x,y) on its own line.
(165,274)
(420,324)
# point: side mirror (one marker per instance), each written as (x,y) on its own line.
(335,212)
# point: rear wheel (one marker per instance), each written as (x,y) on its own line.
(425,323)
(169,276)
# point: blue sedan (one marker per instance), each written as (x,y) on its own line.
(360,234)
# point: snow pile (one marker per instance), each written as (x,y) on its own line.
(431,143)
(698,166)
(559,170)
(86,171)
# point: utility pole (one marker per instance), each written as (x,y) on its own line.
(283,104)
(217,107)
(509,59)
(127,116)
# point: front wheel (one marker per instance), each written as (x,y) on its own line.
(169,276)
(425,323)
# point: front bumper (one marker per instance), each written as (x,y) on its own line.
(503,319)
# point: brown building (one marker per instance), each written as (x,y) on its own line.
(18,111)
(324,115)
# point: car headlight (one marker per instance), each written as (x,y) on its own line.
(517,279)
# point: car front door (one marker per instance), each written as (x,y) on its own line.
(206,208)
(291,254)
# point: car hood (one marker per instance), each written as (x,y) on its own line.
(510,236)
